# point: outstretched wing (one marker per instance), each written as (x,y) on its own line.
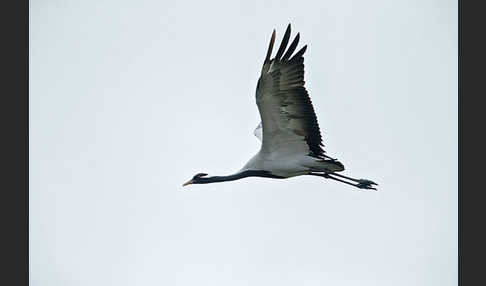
(287,115)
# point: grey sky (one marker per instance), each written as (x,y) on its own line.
(129,99)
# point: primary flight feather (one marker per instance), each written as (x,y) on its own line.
(291,142)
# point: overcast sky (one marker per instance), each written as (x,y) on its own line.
(130,99)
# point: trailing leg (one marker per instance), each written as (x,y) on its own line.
(361,183)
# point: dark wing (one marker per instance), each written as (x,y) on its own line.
(287,115)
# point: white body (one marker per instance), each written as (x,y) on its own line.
(288,165)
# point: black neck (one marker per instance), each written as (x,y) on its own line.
(237,176)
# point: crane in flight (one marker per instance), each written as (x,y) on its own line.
(291,142)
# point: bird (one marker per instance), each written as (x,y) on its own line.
(291,141)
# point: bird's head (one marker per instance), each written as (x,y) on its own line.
(197,179)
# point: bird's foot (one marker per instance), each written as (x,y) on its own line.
(366,184)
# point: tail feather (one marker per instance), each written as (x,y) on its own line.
(326,165)
(332,165)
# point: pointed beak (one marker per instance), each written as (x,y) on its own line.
(187,183)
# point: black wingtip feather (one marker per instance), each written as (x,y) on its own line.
(270,47)
(291,48)
(284,43)
(299,53)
